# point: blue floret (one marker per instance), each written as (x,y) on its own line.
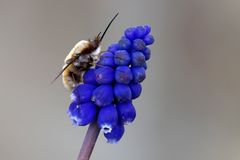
(148,39)
(113,47)
(82,93)
(83,114)
(104,75)
(147,53)
(106,59)
(107,118)
(139,44)
(130,33)
(89,77)
(138,59)
(136,90)
(123,74)
(115,135)
(140,31)
(124,43)
(103,95)
(122,93)
(126,112)
(138,74)
(122,58)
(147,29)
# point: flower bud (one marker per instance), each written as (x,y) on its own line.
(148,39)
(129,33)
(89,77)
(103,95)
(136,90)
(138,59)
(104,75)
(106,59)
(126,112)
(123,74)
(147,29)
(147,53)
(122,58)
(140,32)
(113,47)
(139,44)
(122,92)
(124,43)
(138,74)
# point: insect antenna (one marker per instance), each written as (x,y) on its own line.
(109,24)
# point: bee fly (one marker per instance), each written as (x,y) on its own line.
(83,56)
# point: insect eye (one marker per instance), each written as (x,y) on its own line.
(77,54)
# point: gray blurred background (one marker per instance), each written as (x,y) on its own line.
(190,105)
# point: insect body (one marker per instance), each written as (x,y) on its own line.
(83,56)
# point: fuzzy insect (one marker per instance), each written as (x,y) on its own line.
(83,56)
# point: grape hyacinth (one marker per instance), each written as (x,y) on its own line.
(108,90)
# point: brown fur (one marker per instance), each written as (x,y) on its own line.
(72,75)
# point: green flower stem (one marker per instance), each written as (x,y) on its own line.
(89,142)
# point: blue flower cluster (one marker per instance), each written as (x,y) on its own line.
(108,89)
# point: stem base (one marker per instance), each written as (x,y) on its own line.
(89,142)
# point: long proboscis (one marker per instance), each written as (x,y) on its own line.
(109,24)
